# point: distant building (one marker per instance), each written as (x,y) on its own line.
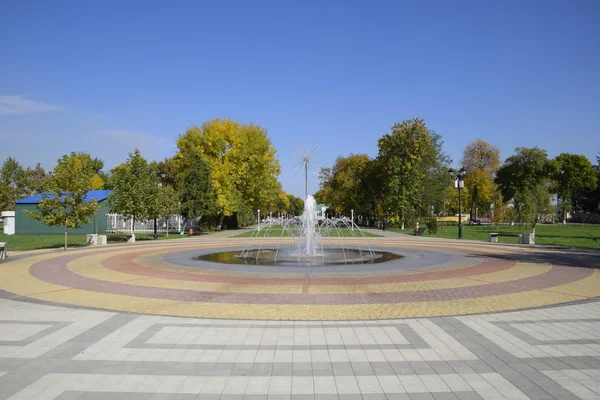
(25,225)
(321,211)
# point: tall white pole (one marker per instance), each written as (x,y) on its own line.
(258,220)
(352,211)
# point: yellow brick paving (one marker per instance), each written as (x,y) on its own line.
(514,273)
(15,278)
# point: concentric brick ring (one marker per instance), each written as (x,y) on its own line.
(464,279)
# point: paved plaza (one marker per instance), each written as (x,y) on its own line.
(450,320)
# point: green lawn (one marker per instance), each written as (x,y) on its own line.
(276,232)
(572,235)
(33,242)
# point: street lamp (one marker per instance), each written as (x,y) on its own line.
(258,219)
(162,177)
(352,213)
(459,182)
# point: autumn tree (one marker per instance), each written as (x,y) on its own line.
(65,199)
(573,175)
(481,161)
(242,163)
(524,178)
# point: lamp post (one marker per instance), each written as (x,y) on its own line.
(258,220)
(459,182)
(162,176)
(352,213)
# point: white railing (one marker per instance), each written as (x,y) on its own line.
(117,223)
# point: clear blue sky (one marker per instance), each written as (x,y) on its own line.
(105,77)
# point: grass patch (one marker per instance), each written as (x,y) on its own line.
(276,232)
(34,242)
(571,235)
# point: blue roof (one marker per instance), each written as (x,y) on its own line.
(99,195)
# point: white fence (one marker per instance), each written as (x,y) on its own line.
(117,223)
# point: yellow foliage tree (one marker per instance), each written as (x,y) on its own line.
(242,162)
(481,160)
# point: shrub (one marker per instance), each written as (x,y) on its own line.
(431,224)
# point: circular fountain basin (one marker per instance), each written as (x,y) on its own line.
(290,257)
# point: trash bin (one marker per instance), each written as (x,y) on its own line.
(528,238)
(91,239)
(191,231)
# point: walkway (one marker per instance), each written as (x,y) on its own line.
(330,334)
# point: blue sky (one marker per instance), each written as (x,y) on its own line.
(106,77)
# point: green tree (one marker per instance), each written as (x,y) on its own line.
(198,198)
(411,162)
(481,160)
(64,199)
(524,178)
(343,188)
(573,175)
(590,199)
(35,178)
(296,205)
(12,183)
(134,188)
(164,202)
(242,163)
(167,170)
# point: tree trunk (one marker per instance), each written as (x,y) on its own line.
(66,230)
(473,201)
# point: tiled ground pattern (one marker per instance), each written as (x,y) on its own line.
(471,278)
(49,352)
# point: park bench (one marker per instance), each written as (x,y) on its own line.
(3,249)
(125,236)
(526,238)
(419,232)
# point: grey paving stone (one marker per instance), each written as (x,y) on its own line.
(382,368)
(397,396)
(441,367)
(231,397)
(468,396)
(255,397)
(350,397)
(282,369)
(540,394)
(421,396)
(326,397)
(128,395)
(444,396)
(362,369)
(69,395)
(374,396)
(279,397)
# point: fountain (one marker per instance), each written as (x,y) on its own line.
(308,241)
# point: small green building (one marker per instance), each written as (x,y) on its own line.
(25,225)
